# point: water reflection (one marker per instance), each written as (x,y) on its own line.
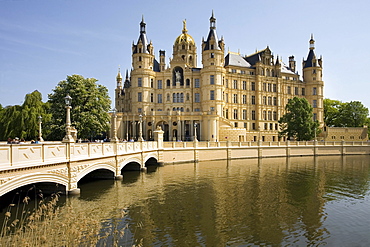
(279,202)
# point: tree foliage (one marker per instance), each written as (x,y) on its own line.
(349,114)
(298,121)
(90,106)
(331,112)
(22,121)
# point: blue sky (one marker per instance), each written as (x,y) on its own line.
(43,41)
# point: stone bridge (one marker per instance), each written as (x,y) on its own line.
(68,163)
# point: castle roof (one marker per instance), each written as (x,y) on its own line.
(236,60)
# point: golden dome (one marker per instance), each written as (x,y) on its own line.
(184,37)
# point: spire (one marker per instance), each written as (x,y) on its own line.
(212,35)
(277,60)
(143,41)
(212,21)
(119,76)
(126,74)
(311,58)
(312,42)
(142,25)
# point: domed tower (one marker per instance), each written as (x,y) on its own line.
(312,76)
(119,91)
(184,49)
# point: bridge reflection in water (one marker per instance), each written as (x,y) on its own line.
(297,201)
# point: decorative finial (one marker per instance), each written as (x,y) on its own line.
(312,42)
(184,30)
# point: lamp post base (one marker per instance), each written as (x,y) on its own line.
(68,139)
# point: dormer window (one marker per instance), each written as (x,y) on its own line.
(212,47)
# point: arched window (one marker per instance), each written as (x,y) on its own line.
(178,98)
(187,82)
(140,59)
(182,98)
(168,97)
(168,83)
(174,98)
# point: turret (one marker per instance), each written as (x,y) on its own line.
(142,52)
(213,48)
(120,92)
(119,79)
(213,75)
(312,67)
(312,77)
(162,60)
(292,64)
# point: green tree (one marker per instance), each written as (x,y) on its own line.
(352,114)
(10,126)
(90,106)
(22,121)
(331,112)
(349,114)
(298,121)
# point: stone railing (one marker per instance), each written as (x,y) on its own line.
(14,156)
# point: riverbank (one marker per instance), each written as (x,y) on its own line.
(180,152)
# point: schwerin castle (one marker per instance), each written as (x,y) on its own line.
(232,97)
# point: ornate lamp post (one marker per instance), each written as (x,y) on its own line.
(195,132)
(140,128)
(68,138)
(40,133)
(114,125)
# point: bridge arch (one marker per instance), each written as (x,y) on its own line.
(150,157)
(129,162)
(32,179)
(98,166)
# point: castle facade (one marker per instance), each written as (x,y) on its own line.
(229,97)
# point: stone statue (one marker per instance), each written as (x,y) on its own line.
(178,76)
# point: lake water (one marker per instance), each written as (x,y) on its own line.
(304,201)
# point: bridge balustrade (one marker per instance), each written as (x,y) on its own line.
(14,156)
